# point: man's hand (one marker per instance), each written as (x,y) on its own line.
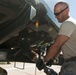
(40,64)
(50,62)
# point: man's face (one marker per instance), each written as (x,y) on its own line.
(59,13)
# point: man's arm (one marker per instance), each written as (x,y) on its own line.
(57,55)
(54,49)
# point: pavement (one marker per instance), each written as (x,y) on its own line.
(20,68)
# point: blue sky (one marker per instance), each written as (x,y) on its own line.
(72,4)
(51,3)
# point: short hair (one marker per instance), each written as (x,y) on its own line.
(62,3)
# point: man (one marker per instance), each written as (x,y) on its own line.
(65,40)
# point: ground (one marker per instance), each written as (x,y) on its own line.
(29,68)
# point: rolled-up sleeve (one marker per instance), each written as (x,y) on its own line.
(67,28)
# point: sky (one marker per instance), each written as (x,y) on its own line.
(51,3)
(72,4)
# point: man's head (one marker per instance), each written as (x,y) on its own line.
(61,11)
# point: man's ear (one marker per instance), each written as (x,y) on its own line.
(66,11)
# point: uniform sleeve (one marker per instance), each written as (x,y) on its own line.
(67,28)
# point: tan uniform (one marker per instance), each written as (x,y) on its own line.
(68,28)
